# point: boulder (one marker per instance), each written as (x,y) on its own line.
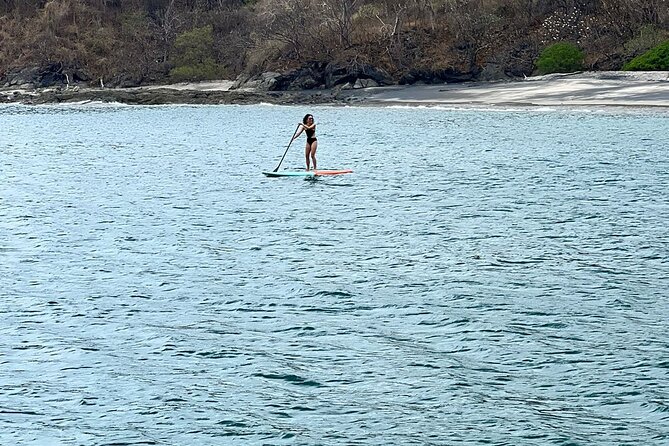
(123,81)
(492,72)
(24,76)
(365,83)
(263,82)
(307,77)
(340,75)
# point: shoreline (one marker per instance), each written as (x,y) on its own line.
(615,89)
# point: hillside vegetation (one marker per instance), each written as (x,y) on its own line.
(133,42)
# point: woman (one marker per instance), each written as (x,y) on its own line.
(309,127)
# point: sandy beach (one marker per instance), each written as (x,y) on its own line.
(637,89)
(629,89)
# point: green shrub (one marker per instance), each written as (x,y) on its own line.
(656,59)
(198,72)
(193,56)
(560,58)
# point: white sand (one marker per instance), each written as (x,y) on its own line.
(639,89)
(221,85)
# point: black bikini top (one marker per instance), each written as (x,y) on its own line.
(310,132)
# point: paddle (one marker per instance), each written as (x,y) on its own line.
(284,153)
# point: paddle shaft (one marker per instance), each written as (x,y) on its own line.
(284,153)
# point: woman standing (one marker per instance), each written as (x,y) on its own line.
(309,127)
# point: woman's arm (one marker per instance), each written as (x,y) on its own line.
(299,132)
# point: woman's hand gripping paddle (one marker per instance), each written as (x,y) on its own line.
(284,153)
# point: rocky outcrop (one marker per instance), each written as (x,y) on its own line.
(317,76)
(355,76)
(53,75)
(314,76)
(35,77)
(56,76)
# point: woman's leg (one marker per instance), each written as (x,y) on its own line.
(314,146)
(307,151)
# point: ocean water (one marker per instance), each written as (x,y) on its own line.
(490,277)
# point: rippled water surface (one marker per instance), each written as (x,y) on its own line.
(484,277)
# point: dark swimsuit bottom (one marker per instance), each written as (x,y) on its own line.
(310,136)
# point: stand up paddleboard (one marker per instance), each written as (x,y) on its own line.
(306,173)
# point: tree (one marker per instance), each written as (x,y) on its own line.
(289,22)
(194,56)
(560,58)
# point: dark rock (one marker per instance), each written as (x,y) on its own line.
(492,72)
(440,76)
(316,75)
(124,81)
(263,82)
(341,75)
(308,77)
(49,79)
(305,78)
(79,76)
(519,62)
(450,75)
(37,77)
(365,83)
(51,75)
(23,76)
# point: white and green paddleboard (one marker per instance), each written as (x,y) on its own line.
(306,173)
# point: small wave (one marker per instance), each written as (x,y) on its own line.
(336,294)
(519,262)
(289,378)
(661,407)
(231,423)
(19,412)
(218,354)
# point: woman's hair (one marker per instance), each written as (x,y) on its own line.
(307,116)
